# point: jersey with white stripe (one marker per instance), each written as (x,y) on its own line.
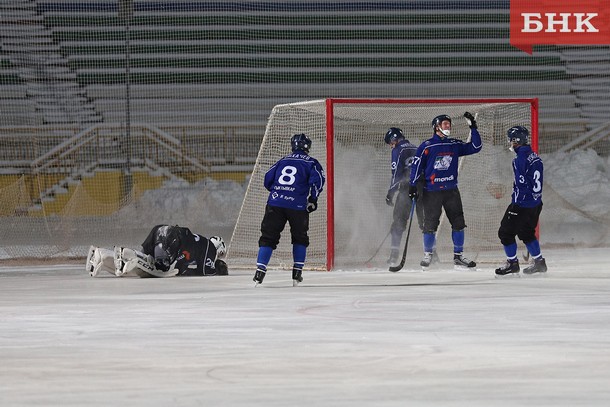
(437,159)
(402,158)
(292,179)
(528,170)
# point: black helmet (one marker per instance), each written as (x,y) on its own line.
(439,119)
(393,134)
(300,142)
(518,135)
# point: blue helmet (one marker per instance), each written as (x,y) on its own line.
(394,134)
(518,135)
(300,142)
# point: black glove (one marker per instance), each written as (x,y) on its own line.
(221,268)
(388,199)
(312,204)
(413,192)
(472,123)
(163,263)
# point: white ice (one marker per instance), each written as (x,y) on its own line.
(363,338)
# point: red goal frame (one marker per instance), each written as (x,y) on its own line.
(330,106)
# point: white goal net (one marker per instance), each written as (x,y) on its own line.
(352,218)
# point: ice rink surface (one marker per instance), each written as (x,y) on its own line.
(344,338)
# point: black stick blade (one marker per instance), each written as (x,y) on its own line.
(399,267)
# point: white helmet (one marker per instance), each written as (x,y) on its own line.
(221,248)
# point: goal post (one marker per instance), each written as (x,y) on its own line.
(347,138)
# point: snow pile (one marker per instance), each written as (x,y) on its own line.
(208,207)
(576,198)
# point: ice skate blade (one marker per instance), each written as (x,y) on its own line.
(463,268)
(435,266)
(536,275)
(509,275)
(295,283)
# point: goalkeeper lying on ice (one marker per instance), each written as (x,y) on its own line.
(167,251)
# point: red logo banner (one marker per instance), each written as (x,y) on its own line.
(559,22)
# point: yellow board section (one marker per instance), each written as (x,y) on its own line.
(8,180)
(14,195)
(144,181)
(100,194)
(237,176)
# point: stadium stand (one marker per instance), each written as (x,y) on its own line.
(199,45)
(36,61)
(223,65)
(206,75)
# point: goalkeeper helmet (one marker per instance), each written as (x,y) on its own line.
(300,142)
(518,135)
(221,248)
(394,134)
(438,120)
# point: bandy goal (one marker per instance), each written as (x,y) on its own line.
(352,217)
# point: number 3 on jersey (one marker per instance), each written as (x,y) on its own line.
(537,185)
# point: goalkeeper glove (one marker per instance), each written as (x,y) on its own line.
(472,123)
(163,263)
(221,268)
(312,204)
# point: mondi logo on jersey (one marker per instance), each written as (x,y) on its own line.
(559,22)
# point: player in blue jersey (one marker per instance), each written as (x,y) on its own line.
(294,183)
(402,158)
(436,160)
(521,216)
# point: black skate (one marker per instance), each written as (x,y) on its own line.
(511,267)
(297,277)
(393,260)
(259,276)
(426,261)
(539,266)
(460,262)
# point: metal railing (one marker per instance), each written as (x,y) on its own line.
(588,139)
(192,147)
